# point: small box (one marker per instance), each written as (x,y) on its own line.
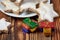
(27,21)
(33,25)
(46,30)
(25,26)
(46,24)
(25,30)
(30,23)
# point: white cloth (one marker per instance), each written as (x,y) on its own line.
(4,24)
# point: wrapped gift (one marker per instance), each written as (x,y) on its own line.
(33,25)
(27,21)
(30,23)
(46,30)
(25,26)
(25,30)
(47,24)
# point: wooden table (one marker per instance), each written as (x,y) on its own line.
(16,32)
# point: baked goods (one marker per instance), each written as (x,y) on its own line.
(17,2)
(46,12)
(10,6)
(4,24)
(27,5)
(14,6)
(42,8)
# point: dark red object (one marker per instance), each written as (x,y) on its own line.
(47,24)
(25,26)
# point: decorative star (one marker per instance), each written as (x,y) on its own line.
(46,12)
(4,24)
(27,5)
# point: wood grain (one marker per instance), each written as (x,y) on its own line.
(56,5)
(5,36)
(57,20)
(15,33)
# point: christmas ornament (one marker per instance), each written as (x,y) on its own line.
(30,25)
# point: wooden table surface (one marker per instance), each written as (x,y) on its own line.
(16,32)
